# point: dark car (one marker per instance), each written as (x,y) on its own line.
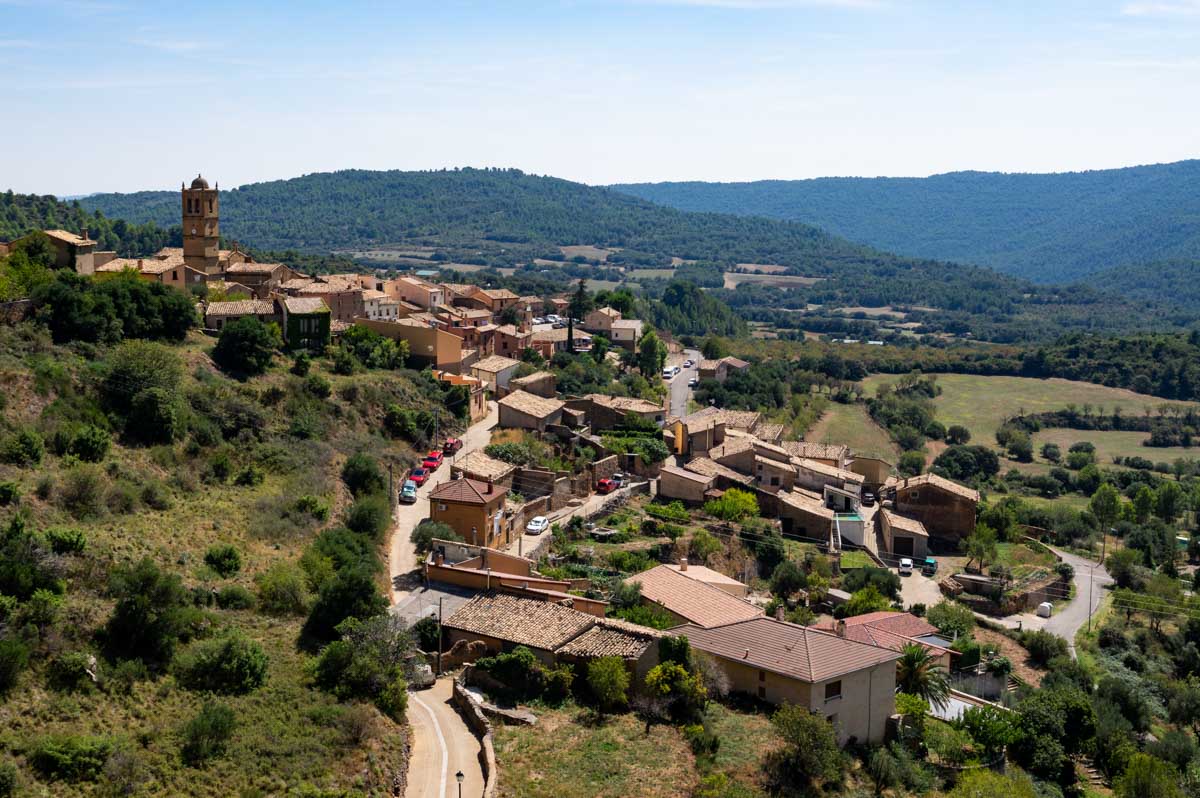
(451,445)
(868,499)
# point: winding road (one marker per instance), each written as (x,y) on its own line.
(442,746)
(1090,580)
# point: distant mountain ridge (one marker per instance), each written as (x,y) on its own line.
(1048,228)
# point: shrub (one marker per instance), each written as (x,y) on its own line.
(556,684)
(911,463)
(14,659)
(42,608)
(427,633)
(246,345)
(155,495)
(952,619)
(224,559)
(703,545)
(427,531)
(250,476)
(301,364)
(8,779)
(10,493)
(682,691)
(885,581)
(82,492)
(810,755)
(370,516)
(704,742)
(362,475)
(235,597)
(318,386)
(675,511)
(70,757)
(232,665)
(734,505)
(149,617)
(205,735)
(368,663)
(351,593)
(22,448)
(282,590)
(66,541)
(608,679)
(158,418)
(518,670)
(72,671)
(1043,646)
(314,506)
(89,443)
(122,498)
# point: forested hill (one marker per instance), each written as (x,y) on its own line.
(1173,284)
(21,213)
(1049,228)
(506,217)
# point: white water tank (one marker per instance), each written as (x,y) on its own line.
(1044,609)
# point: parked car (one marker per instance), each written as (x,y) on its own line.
(451,445)
(538,525)
(929,566)
(433,460)
(669,372)
(553,318)
(693,382)
(539,319)
(419,475)
(620,479)
(868,499)
(408,492)
(687,364)
(606,486)
(906,566)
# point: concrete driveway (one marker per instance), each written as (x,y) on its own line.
(402,558)
(442,746)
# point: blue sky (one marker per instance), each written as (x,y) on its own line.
(117,95)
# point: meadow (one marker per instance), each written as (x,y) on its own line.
(850,424)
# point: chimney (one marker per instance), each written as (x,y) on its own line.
(779,613)
(682,564)
(490,486)
(83,235)
(839,628)
(235,246)
(139,263)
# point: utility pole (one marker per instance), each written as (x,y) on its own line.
(391,485)
(435,425)
(439,658)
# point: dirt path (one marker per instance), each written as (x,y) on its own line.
(402,559)
(442,746)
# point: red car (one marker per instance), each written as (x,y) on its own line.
(606,486)
(433,460)
(452,445)
(419,475)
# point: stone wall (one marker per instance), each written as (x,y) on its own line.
(479,724)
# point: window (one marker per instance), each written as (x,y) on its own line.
(762,676)
(913,495)
(441,508)
(762,692)
(833,690)
(210,206)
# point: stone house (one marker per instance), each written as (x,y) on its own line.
(903,537)
(478,392)
(306,322)
(495,371)
(831,454)
(218,314)
(539,383)
(525,411)
(850,684)
(688,486)
(708,576)
(626,333)
(261,278)
(417,291)
(689,601)
(509,341)
(945,508)
(601,320)
(603,412)
(550,342)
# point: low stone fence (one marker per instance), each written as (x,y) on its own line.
(483,730)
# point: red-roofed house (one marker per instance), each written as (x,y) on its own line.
(893,630)
(473,509)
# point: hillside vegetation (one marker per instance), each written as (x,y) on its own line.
(1049,228)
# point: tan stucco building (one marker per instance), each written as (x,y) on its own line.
(475,510)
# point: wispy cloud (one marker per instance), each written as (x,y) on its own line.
(1162,8)
(180,46)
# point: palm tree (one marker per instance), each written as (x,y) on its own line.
(918,673)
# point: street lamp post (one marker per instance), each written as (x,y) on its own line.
(459,778)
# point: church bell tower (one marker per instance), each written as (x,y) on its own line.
(201,227)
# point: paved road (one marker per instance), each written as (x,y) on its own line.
(442,746)
(680,392)
(402,559)
(1090,580)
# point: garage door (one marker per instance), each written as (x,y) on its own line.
(903,546)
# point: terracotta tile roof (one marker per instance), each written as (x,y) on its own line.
(708,365)
(734,419)
(627,404)
(67,237)
(241,307)
(495,363)
(702,573)
(530,379)
(731,447)
(703,465)
(536,406)
(734,363)
(499,293)
(933,480)
(560,334)
(297,283)
(371,293)
(817,467)
(250,267)
(142,265)
(612,638)
(295,304)
(693,476)
(467,491)
(612,313)
(806,502)
(892,630)
(904,523)
(817,451)
(476,463)
(628,324)
(778,465)
(771,433)
(694,601)
(798,652)
(527,622)
(511,329)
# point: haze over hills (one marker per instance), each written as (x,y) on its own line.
(1049,228)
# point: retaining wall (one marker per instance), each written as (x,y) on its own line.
(483,730)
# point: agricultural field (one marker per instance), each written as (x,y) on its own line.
(887,311)
(734,279)
(1110,444)
(982,403)
(651,274)
(850,424)
(586,250)
(763,268)
(602,285)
